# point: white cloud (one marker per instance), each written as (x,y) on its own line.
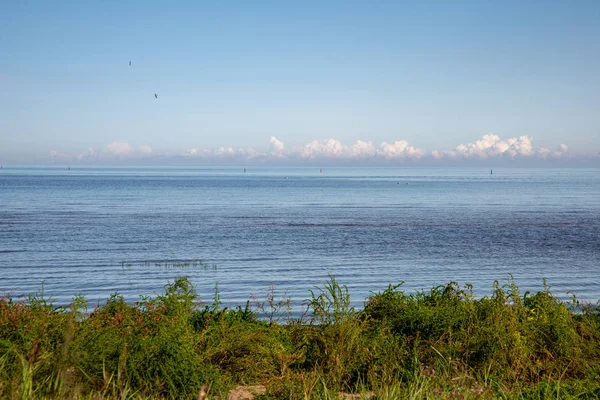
(120,149)
(317,149)
(145,150)
(334,149)
(560,152)
(233,152)
(90,154)
(489,146)
(223,152)
(362,149)
(398,149)
(277,147)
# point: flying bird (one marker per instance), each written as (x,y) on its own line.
(155,96)
(130,63)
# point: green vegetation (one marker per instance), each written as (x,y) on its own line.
(441,343)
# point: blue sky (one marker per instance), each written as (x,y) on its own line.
(390,81)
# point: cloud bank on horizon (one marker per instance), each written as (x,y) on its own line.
(489,146)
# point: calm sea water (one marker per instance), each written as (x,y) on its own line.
(99,230)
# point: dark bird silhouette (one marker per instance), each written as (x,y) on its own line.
(130,63)
(155,96)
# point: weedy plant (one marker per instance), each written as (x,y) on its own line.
(440,343)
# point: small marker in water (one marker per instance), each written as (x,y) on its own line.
(320,170)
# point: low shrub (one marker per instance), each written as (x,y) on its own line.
(440,343)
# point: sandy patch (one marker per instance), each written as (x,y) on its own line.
(355,396)
(246,392)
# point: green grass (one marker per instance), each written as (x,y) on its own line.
(440,343)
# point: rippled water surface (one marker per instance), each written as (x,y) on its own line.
(99,230)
